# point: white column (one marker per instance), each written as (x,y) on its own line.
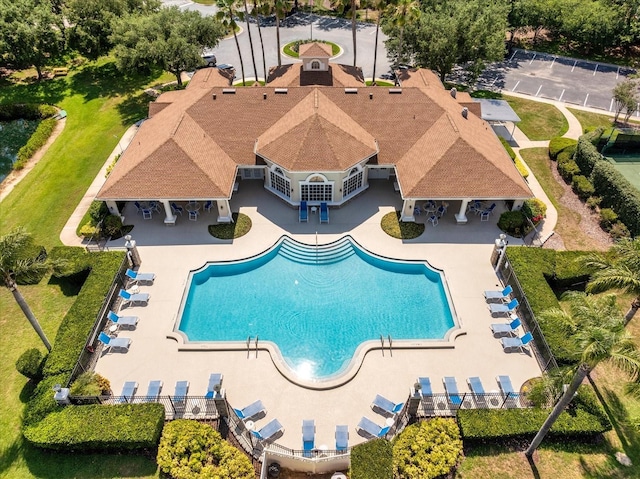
(113,208)
(407,211)
(169,218)
(461,217)
(517,205)
(224,211)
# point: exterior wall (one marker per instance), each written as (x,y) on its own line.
(324,64)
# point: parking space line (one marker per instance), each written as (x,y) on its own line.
(618,73)
(553,61)
(538,92)
(534,57)
(574,65)
(611,105)
(516,86)
(514,54)
(595,70)
(561,95)
(585,100)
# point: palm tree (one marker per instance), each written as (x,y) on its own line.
(341,6)
(257,10)
(623,272)
(404,12)
(280,8)
(253,55)
(226,16)
(14,264)
(597,334)
(378,6)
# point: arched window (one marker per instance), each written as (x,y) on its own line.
(315,65)
(279,182)
(353,182)
(316,188)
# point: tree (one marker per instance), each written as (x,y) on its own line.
(280,10)
(30,33)
(352,5)
(623,272)
(465,32)
(15,249)
(379,6)
(597,334)
(253,55)
(170,38)
(226,15)
(91,21)
(403,12)
(623,94)
(259,8)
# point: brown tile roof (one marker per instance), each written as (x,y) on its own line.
(317,50)
(192,147)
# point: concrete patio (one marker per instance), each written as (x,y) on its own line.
(462,251)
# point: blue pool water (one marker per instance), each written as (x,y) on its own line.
(316,305)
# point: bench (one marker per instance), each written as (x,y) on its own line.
(60,72)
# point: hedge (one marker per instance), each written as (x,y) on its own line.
(617,193)
(568,169)
(559,144)
(587,154)
(36,141)
(582,187)
(77,324)
(584,419)
(372,460)
(26,111)
(111,428)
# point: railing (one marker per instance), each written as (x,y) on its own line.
(442,404)
(312,454)
(541,349)
(242,434)
(187,407)
(91,351)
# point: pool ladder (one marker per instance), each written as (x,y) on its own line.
(382,338)
(249,345)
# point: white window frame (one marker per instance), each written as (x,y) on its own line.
(348,189)
(282,183)
(326,196)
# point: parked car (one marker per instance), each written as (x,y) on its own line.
(226,66)
(388,76)
(209,60)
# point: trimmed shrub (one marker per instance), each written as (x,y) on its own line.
(30,363)
(507,146)
(521,167)
(97,211)
(77,324)
(568,169)
(512,222)
(565,155)
(189,449)
(427,450)
(560,144)
(619,230)
(584,419)
(27,111)
(617,193)
(582,187)
(90,383)
(37,140)
(88,231)
(123,427)
(534,209)
(593,202)
(372,460)
(112,225)
(587,154)
(607,218)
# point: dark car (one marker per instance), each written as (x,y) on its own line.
(388,76)
(226,66)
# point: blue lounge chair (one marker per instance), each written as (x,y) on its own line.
(324,213)
(153,391)
(269,430)
(510,396)
(122,320)
(451,387)
(128,391)
(114,343)
(137,276)
(133,298)
(512,344)
(505,309)
(182,387)
(371,428)
(383,403)
(308,436)
(477,389)
(215,383)
(425,387)
(303,212)
(342,438)
(502,296)
(506,328)
(251,410)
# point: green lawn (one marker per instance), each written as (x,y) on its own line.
(100,104)
(539,121)
(588,119)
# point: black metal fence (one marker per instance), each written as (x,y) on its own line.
(442,404)
(541,349)
(91,351)
(316,453)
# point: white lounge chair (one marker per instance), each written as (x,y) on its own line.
(215,384)
(153,391)
(122,320)
(308,436)
(506,328)
(371,428)
(114,343)
(251,410)
(501,296)
(342,438)
(451,387)
(387,406)
(505,309)
(137,277)
(128,391)
(133,298)
(269,430)
(512,344)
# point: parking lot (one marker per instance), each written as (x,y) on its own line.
(575,82)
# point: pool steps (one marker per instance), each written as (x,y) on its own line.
(321,254)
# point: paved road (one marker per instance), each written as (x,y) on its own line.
(574,82)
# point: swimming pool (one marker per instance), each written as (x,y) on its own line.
(317,305)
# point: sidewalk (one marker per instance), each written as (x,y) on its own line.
(68,234)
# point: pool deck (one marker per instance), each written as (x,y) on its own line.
(462,251)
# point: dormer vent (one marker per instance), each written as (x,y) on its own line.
(228,91)
(395,91)
(215,96)
(280,91)
(370,96)
(351,90)
(264,96)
